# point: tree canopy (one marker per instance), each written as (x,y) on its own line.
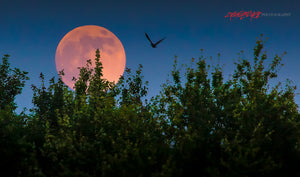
(199,124)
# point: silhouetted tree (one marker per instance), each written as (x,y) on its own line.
(12,126)
(12,82)
(199,124)
(239,127)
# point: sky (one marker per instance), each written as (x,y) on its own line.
(31,30)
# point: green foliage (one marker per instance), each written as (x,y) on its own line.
(11,83)
(198,124)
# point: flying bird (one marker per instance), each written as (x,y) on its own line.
(154,45)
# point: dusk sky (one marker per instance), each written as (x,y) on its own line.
(31,30)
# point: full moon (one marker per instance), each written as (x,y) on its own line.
(80,44)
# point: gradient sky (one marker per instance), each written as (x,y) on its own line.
(31,30)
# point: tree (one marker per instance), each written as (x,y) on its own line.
(12,126)
(199,124)
(239,127)
(12,82)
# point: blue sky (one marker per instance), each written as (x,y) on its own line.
(31,30)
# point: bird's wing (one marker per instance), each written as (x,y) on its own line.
(160,41)
(148,38)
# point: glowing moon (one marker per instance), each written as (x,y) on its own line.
(80,44)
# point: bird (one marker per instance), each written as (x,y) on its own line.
(154,45)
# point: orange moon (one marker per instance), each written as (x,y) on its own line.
(80,44)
